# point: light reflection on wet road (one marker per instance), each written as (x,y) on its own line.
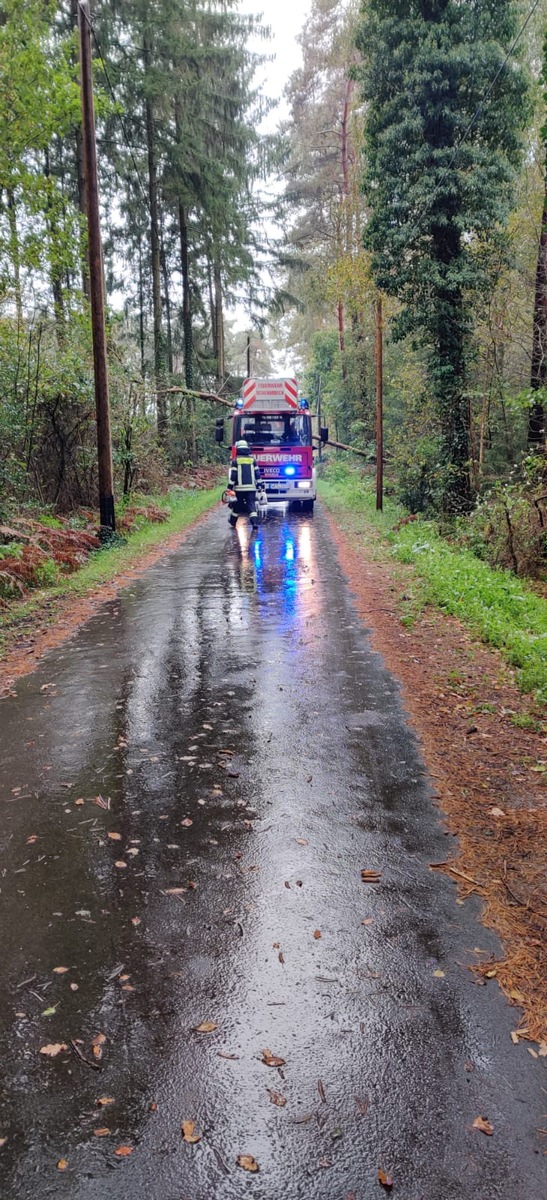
(227,721)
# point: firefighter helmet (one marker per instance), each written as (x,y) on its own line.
(242,445)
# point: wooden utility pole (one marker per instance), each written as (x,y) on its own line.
(379,407)
(96,276)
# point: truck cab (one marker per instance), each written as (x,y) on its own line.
(277,425)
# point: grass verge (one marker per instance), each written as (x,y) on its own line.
(495,605)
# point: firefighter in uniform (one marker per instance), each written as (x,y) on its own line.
(244,478)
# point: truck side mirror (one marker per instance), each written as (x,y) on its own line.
(219,430)
(324,433)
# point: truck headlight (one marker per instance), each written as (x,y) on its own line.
(304,483)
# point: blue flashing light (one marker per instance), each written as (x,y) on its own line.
(289,550)
(240,402)
(303,403)
(289,470)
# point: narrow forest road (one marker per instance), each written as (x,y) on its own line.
(190,789)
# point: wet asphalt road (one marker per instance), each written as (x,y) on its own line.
(232,863)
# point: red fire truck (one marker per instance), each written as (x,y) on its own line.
(277,424)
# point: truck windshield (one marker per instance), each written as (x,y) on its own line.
(279,429)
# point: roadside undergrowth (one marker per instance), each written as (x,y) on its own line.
(483,738)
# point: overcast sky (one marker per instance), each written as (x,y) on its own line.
(286,19)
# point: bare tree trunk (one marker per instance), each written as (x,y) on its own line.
(159,343)
(167,307)
(14,253)
(219,322)
(536,420)
(80,181)
(186,300)
(141,314)
(55,274)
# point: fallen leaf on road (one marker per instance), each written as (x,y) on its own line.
(247,1162)
(50,1012)
(317,934)
(542,1050)
(120,864)
(517,996)
(123,1151)
(53,1049)
(369,876)
(321,1090)
(439,974)
(101,802)
(301,841)
(192,885)
(280,957)
(3,1141)
(271,1060)
(187,822)
(484,1125)
(115,837)
(97,1044)
(102,1132)
(205,1027)
(60,970)
(361,1106)
(515,1036)
(384,1179)
(325,1162)
(220,1054)
(368,921)
(32,839)
(496,812)
(304,1119)
(74,987)
(287,884)
(104,1100)
(135,920)
(276,1098)
(62,1164)
(189,1134)
(173,892)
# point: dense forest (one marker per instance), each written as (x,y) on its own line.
(411,167)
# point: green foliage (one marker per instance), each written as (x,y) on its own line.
(494,604)
(508,527)
(432,232)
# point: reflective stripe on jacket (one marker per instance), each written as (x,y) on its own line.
(244,474)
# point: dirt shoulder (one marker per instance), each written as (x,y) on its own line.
(488,773)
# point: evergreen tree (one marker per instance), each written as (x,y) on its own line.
(442,143)
(538,379)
